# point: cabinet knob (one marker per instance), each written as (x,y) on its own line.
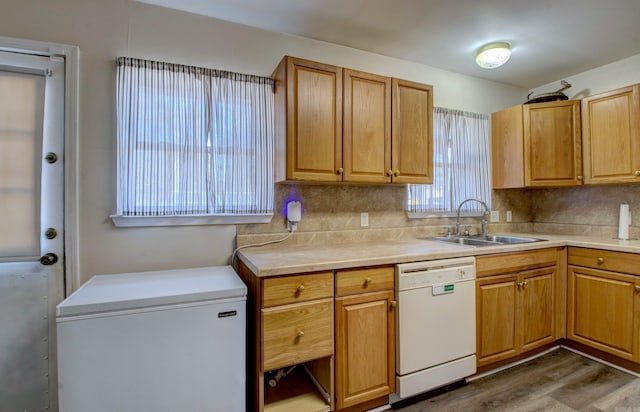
(389,172)
(600,260)
(300,335)
(340,170)
(299,289)
(394,303)
(579,177)
(637,173)
(396,173)
(367,282)
(637,288)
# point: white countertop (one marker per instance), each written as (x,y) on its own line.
(281,259)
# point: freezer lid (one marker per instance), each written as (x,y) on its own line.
(125,291)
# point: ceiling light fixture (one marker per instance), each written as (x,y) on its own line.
(493,55)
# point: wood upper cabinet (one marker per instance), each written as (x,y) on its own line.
(366,127)
(365,336)
(308,121)
(603,305)
(412,132)
(341,125)
(611,136)
(519,298)
(537,145)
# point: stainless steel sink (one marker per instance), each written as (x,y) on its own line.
(488,240)
(510,239)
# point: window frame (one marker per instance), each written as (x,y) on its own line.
(200,217)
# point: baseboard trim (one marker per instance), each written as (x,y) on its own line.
(602,361)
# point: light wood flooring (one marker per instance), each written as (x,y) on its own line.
(559,381)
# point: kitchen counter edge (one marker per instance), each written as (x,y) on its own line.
(277,260)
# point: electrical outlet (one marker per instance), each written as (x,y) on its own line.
(509,216)
(364,219)
(495,215)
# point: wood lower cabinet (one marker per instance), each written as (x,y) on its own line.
(496,305)
(365,336)
(611,136)
(334,124)
(604,301)
(519,303)
(290,341)
(537,145)
(320,352)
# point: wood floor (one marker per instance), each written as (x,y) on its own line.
(558,381)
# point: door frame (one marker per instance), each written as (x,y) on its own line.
(71,54)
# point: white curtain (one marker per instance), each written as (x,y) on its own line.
(461,154)
(192,141)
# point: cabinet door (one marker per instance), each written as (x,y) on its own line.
(537,297)
(496,300)
(602,311)
(366,130)
(365,348)
(552,144)
(611,136)
(314,121)
(412,132)
(507,168)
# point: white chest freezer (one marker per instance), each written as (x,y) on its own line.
(154,341)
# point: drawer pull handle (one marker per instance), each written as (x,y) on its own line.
(300,335)
(600,260)
(299,289)
(367,282)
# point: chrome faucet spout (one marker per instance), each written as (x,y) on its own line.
(484,222)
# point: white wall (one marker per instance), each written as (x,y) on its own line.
(106,29)
(612,76)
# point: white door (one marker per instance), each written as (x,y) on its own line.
(31,228)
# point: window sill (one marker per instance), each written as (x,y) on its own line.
(194,220)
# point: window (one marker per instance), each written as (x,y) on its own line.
(461,166)
(195,145)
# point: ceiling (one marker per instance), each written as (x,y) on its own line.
(551,39)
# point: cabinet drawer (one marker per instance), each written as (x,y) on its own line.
(605,260)
(299,288)
(297,333)
(353,281)
(515,262)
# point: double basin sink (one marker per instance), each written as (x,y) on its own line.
(485,240)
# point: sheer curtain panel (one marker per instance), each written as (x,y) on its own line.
(193,142)
(461,151)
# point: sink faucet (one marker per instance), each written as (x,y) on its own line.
(484,222)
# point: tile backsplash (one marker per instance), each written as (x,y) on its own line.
(331,213)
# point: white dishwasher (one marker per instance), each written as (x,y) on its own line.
(436,324)
(161,341)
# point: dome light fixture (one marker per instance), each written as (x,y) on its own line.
(493,55)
